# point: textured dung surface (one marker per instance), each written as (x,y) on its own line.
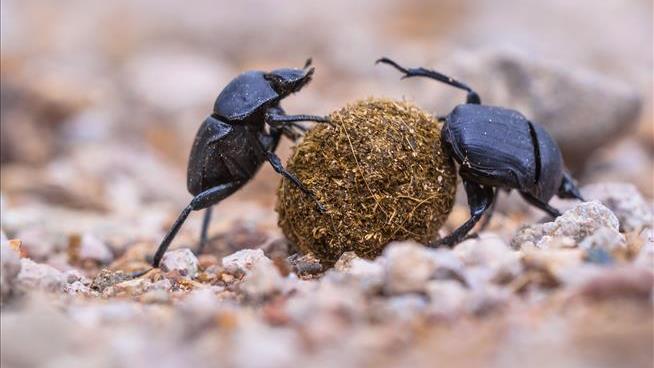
(380,171)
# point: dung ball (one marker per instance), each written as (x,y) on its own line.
(380,171)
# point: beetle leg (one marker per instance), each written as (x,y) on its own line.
(203,200)
(204,232)
(540,204)
(568,188)
(275,119)
(279,168)
(480,199)
(472,98)
(489,213)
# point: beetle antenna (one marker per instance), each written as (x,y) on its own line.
(472,98)
(307,63)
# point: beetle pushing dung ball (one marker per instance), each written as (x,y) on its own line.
(497,148)
(237,138)
(383,175)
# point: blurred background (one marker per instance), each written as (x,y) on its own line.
(101,100)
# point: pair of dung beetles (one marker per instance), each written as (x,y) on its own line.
(495,148)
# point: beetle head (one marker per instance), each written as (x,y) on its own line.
(289,80)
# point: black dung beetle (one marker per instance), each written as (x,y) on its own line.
(233,142)
(497,148)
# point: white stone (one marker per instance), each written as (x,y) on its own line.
(262,280)
(604,238)
(181,260)
(576,223)
(9,268)
(243,260)
(446,297)
(95,249)
(38,276)
(625,201)
(408,267)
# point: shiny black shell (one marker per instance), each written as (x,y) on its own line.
(223,153)
(500,147)
(243,96)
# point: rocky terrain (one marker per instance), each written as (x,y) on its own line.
(100,103)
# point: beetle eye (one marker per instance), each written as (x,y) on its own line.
(272,78)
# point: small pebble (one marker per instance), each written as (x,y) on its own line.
(408,267)
(34,275)
(243,261)
(626,202)
(182,261)
(576,223)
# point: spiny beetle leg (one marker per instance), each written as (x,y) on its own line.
(540,204)
(276,163)
(480,199)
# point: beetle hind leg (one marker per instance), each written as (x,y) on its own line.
(568,188)
(203,200)
(540,204)
(205,231)
(480,199)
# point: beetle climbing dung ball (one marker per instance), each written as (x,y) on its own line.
(382,174)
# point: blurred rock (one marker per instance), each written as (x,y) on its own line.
(262,280)
(553,266)
(481,301)
(38,276)
(257,345)
(583,110)
(244,260)
(628,161)
(180,260)
(620,282)
(77,288)
(369,274)
(492,252)
(576,223)
(344,262)
(625,201)
(10,266)
(405,307)
(306,265)
(106,278)
(605,239)
(36,334)
(408,267)
(446,296)
(133,287)
(94,249)
(38,243)
(645,257)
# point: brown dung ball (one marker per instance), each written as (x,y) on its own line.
(380,171)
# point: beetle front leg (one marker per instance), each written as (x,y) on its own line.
(279,120)
(279,168)
(472,98)
(480,198)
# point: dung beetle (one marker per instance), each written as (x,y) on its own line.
(243,131)
(497,148)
